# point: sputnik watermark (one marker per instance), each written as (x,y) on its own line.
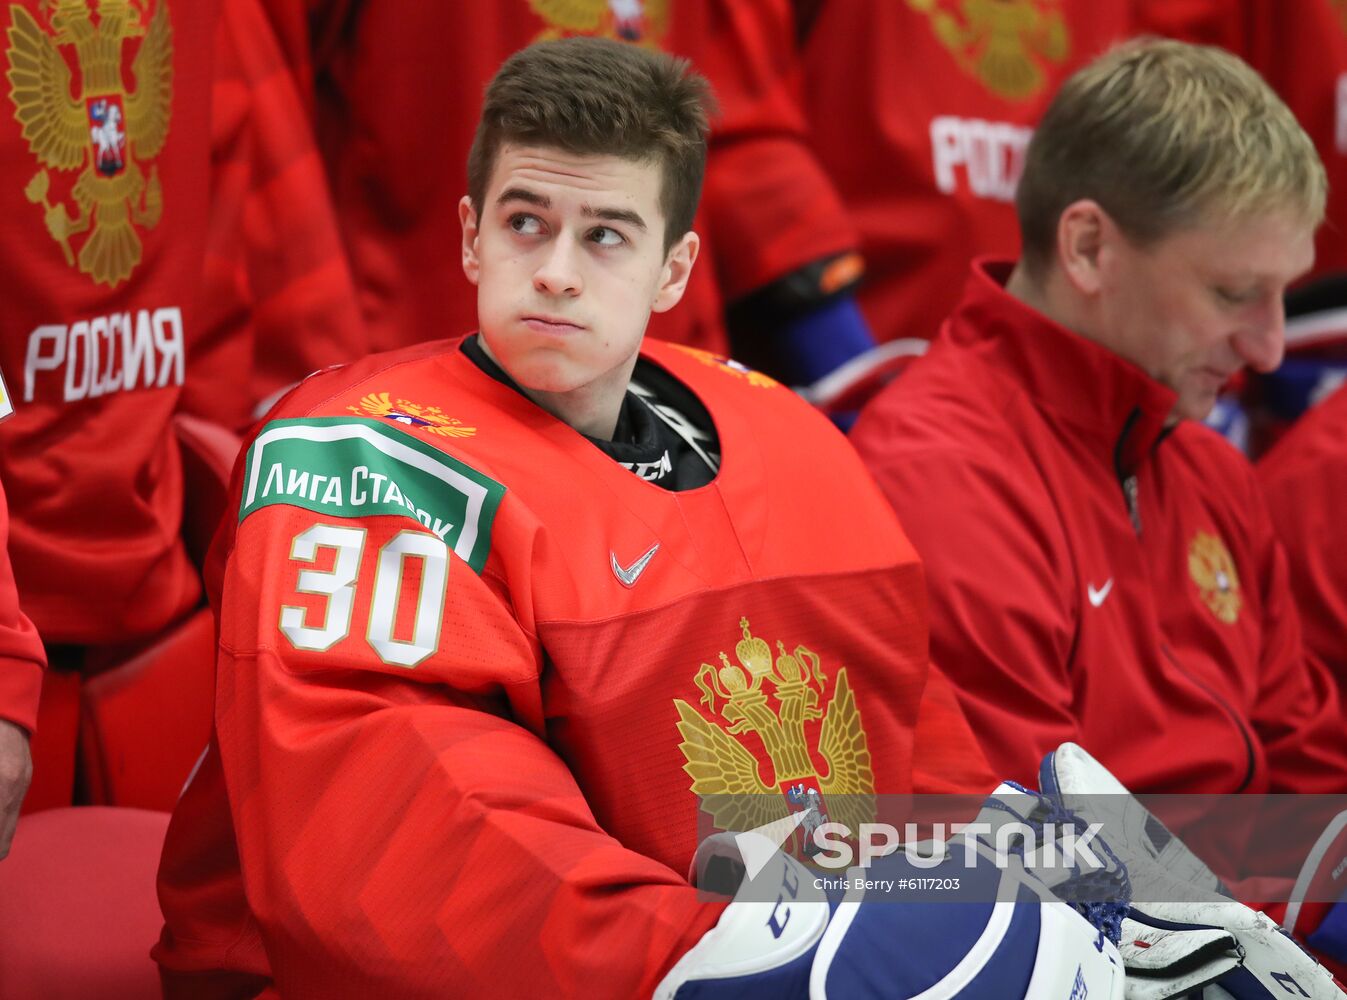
(1049,846)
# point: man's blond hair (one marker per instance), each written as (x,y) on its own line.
(1164,135)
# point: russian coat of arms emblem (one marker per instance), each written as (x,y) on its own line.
(767,706)
(103,130)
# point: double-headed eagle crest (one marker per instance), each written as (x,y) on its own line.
(1213,570)
(101,131)
(428,418)
(727,775)
(729,366)
(643,22)
(1001,42)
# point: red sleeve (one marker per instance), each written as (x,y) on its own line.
(1298,713)
(1003,630)
(402,825)
(22,658)
(1304,478)
(946,757)
(769,206)
(280,302)
(307,32)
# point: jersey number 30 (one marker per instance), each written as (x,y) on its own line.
(339,583)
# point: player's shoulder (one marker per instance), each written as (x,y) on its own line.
(716,378)
(1210,454)
(950,401)
(1215,475)
(1313,452)
(362,440)
(753,401)
(326,392)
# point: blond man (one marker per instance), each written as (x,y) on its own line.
(1101,566)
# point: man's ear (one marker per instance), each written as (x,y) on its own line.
(1083,234)
(673,279)
(467,219)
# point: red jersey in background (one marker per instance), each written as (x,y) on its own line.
(104,155)
(920,111)
(278,300)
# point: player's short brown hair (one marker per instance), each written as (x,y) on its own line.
(1164,135)
(592,96)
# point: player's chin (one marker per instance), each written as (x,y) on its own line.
(1195,404)
(553,372)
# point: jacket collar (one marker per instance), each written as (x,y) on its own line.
(1074,379)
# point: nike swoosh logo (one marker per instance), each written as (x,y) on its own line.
(1097,597)
(627,576)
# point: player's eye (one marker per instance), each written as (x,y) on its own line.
(606,237)
(525,224)
(1235,296)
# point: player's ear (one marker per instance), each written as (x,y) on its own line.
(673,279)
(467,219)
(1083,229)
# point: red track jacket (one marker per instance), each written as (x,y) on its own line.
(1162,638)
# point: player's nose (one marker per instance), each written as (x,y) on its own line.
(558,272)
(1262,344)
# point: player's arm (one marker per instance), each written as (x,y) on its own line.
(1001,619)
(946,757)
(22,661)
(402,824)
(1297,711)
(279,301)
(1302,479)
(787,252)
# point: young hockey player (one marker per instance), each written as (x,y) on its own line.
(499,614)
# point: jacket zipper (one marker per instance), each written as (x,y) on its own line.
(1132,493)
(1225,705)
(1131,489)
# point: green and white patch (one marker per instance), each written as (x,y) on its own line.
(359,467)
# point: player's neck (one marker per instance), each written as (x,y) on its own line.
(1051,296)
(592,409)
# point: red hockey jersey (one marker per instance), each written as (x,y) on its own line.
(278,299)
(474,676)
(921,113)
(1095,576)
(104,149)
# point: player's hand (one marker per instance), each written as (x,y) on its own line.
(16,771)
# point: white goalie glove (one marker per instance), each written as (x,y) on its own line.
(1198,937)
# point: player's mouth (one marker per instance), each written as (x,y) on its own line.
(554,325)
(1217,375)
